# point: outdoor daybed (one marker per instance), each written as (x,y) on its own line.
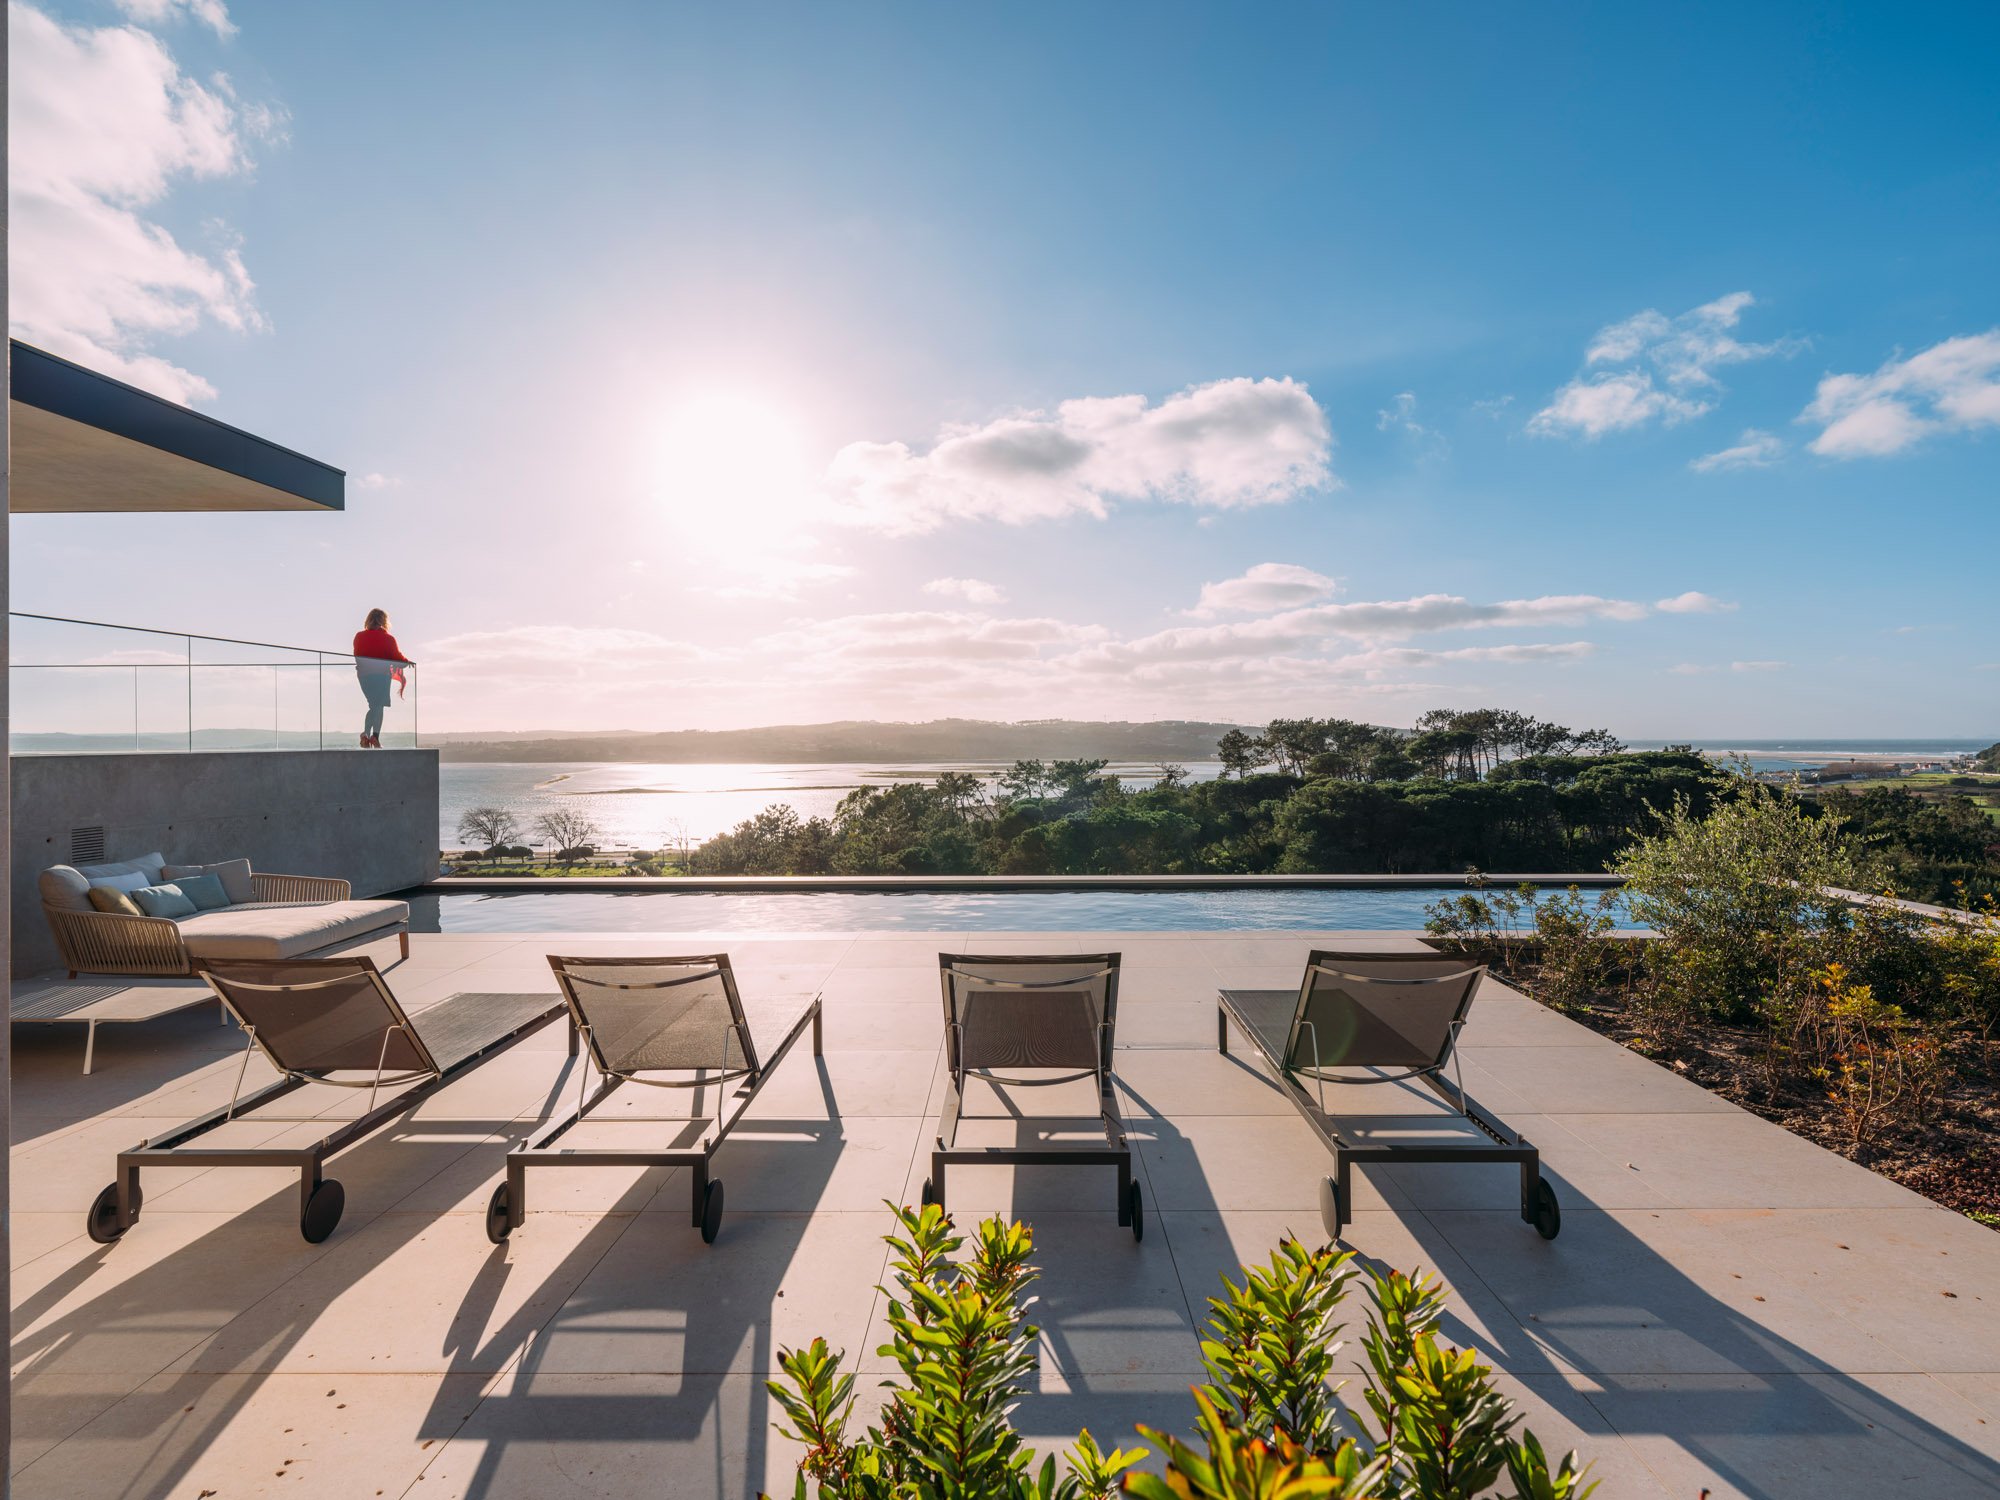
(258,916)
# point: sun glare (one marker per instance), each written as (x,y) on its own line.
(731,468)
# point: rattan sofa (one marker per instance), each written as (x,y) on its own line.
(288,916)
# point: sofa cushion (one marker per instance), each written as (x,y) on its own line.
(268,931)
(148,865)
(104,898)
(233,873)
(65,888)
(163,901)
(205,891)
(127,881)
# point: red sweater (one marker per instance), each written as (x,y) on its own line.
(379,645)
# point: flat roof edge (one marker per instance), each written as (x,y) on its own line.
(53,384)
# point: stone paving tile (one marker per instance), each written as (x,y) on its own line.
(540,1435)
(1733,1160)
(415,1293)
(1658,1291)
(300,1435)
(1826,1435)
(661,1301)
(1591,1081)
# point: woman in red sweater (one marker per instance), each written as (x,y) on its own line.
(379,663)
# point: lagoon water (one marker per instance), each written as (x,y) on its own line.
(642,806)
(639,806)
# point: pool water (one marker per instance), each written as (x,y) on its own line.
(1352,907)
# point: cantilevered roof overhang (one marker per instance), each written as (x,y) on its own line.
(84,442)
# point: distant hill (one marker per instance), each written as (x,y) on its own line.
(858,740)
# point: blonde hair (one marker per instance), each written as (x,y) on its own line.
(378,619)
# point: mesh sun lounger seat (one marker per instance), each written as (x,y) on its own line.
(313,1019)
(1398,1016)
(1055,1015)
(650,1016)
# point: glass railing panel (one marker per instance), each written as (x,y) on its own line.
(84,687)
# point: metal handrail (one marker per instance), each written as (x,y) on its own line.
(187,635)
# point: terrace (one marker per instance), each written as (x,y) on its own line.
(1727,1307)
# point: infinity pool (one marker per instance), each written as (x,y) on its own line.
(1354,907)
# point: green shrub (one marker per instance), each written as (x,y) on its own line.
(1732,896)
(1268,1422)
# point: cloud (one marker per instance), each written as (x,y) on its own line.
(1684,352)
(1754,450)
(1610,403)
(211,13)
(380,481)
(556,653)
(1758,666)
(104,125)
(915,636)
(1691,669)
(1694,602)
(1401,416)
(1953,386)
(971,590)
(1311,628)
(772,575)
(1265,587)
(1228,444)
(1413,656)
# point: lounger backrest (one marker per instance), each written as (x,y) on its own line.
(1029,1010)
(1379,1010)
(658,1014)
(320,1015)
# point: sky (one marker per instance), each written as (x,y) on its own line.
(697,366)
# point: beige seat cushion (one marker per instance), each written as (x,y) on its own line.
(282,931)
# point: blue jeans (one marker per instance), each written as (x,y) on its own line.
(376,690)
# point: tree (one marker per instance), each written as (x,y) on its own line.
(488,828)
(1239,753)
(569,832)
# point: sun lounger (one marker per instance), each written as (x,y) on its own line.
(1054,1015)
(313,1019)
(1398,1016)
(645,1017)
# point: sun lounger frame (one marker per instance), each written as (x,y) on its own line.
(1500,1144)
(508,1208)
(1116,1151)
(321,1198)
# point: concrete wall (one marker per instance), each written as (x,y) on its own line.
(369,816)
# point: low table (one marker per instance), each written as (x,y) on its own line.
(97,1002)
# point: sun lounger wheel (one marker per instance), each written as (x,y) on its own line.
(1329,1207)
(102,1223)
(497,1227)
(322,1211)
(1135,1202)
(1548,1212)
(711,1211)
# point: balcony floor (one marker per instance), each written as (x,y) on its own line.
(1727,1307)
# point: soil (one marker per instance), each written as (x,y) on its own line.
(1954,1161)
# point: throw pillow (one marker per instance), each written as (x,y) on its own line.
(103,898)
(205,891)
(163,901)
(233,873)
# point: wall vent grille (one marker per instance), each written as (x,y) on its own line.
(86,845)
